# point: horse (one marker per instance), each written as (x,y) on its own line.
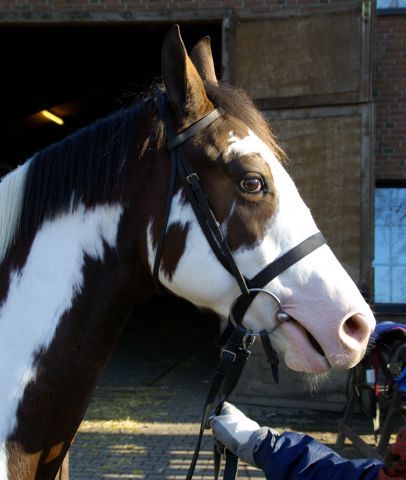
(81,223)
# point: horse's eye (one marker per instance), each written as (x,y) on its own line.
(252,184)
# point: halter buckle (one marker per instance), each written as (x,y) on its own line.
(232,355)
(190,176)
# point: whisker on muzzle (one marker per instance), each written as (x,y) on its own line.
(313,381)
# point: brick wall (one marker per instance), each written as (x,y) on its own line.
(390,97)
(242,6)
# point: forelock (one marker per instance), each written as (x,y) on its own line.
(236,103)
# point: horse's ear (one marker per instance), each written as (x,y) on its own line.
(183,84)
(202,57)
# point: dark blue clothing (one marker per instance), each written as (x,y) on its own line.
(292,455)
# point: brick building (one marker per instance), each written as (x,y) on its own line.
(390,94)
(329,75)
(389,84)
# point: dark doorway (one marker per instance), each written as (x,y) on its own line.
(79,73)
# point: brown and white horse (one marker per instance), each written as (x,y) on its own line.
(80,223)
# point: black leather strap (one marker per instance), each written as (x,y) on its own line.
(174,141)
(207,221)
(274,269)
(228,371)
(162,234)
(180,138)
(218,452)
(282,263)
(271,354)
(198,201)
(231,466)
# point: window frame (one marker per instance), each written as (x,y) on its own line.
(389,309)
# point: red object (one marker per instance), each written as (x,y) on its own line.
(395,461)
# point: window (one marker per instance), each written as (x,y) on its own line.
(390,245)
(391,4)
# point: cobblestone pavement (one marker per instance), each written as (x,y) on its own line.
(144,416)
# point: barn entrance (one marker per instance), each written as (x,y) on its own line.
(78,73)
(311,75)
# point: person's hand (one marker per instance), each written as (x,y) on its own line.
(238,433)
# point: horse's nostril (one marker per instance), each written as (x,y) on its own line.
(356,327)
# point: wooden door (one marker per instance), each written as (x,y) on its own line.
(309,71)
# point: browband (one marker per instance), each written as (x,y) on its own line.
(192,130)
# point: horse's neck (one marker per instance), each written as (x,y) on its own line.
(62,312)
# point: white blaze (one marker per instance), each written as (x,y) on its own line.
(39,294)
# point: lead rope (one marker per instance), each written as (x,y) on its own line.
(232,361)
(234,356)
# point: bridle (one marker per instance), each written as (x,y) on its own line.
(236,338)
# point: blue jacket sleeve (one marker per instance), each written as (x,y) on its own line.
(292,455)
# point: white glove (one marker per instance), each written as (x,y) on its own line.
(238,433)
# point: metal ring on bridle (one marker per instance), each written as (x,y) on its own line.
(280,315)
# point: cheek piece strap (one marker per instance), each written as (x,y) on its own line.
(236,338)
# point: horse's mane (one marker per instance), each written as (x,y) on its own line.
(82,168)
(87,166)
(11,198)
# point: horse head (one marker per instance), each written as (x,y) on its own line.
(261,216)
